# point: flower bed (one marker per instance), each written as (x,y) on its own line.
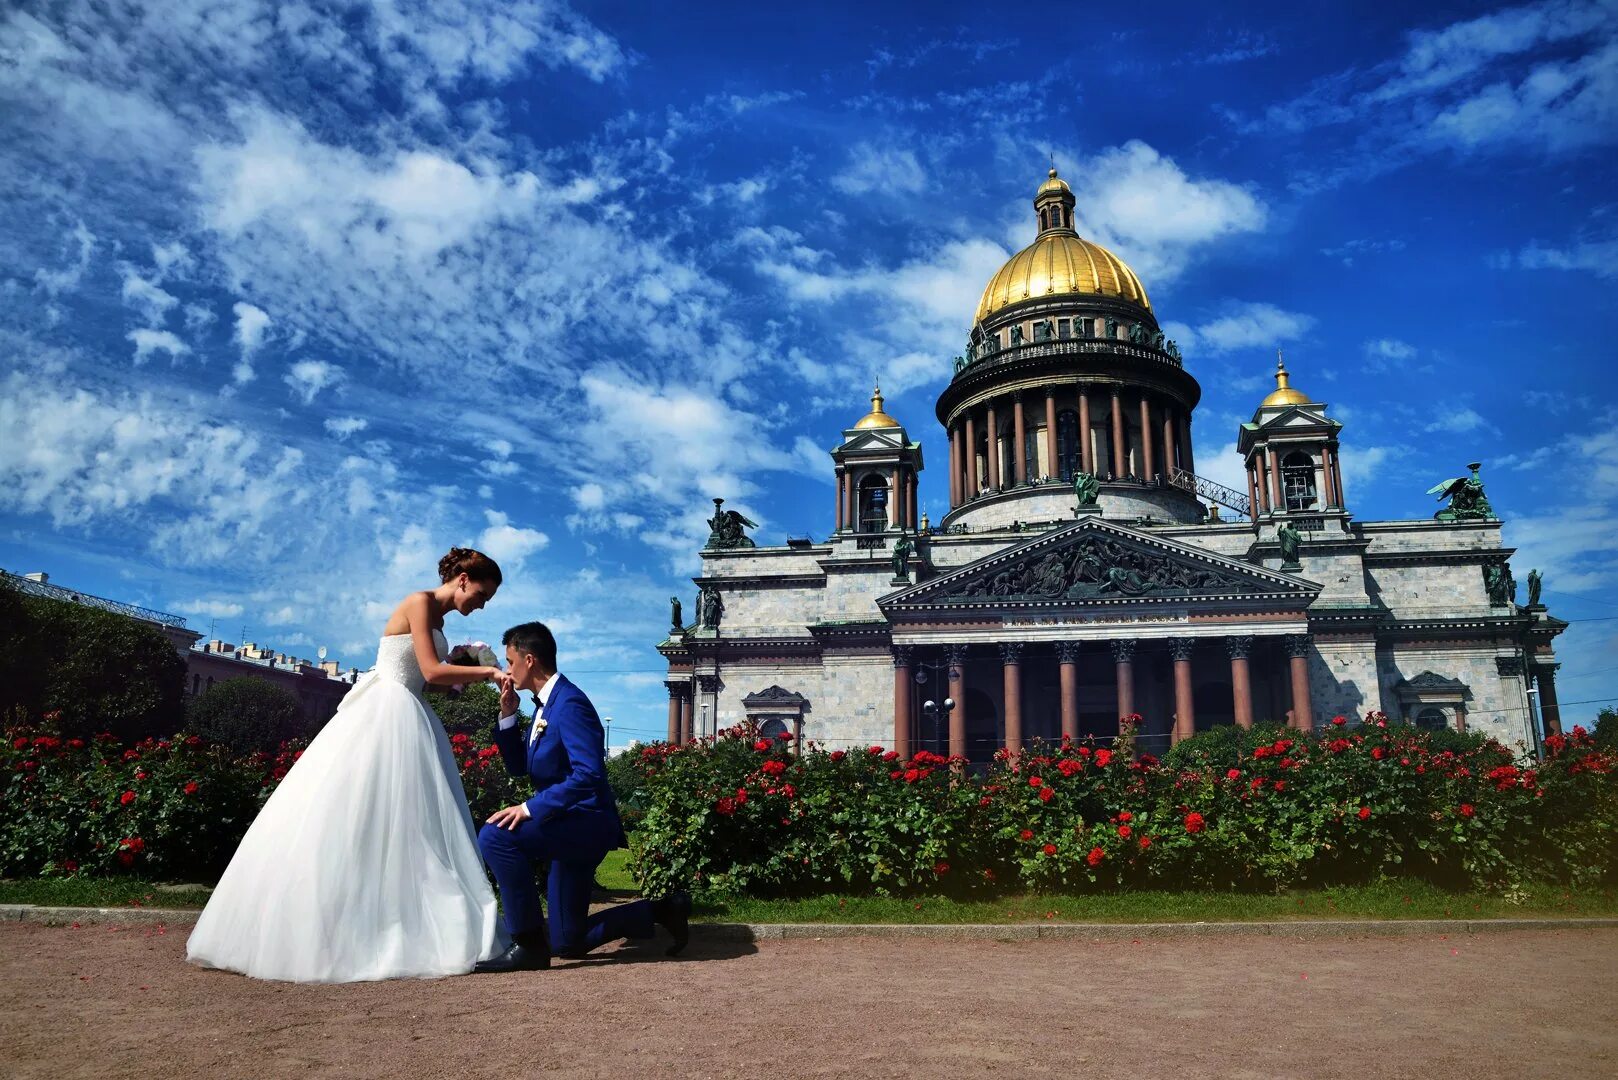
(163,808)
(1262,809)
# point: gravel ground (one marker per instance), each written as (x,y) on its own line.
(121,1002)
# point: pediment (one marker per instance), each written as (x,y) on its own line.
(1098,562)
(888,439)
(1298,416)
(1431,681)
(774,695)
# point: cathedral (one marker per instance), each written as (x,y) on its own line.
(1086,572)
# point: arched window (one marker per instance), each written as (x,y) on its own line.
(1033,440)
(1298,480)
(873,504)
(1067,444)
(1432,718)
(773,727)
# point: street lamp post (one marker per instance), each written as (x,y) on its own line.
(933,711)
(606,731)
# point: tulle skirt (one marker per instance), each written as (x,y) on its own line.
(364,862)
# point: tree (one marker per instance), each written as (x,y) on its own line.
(247,714)
(86,669)
(1606,731)
(473,711)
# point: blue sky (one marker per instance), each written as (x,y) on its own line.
(293,298)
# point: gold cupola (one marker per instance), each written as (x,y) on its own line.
(876,418)
(1059,261)
(1284,393)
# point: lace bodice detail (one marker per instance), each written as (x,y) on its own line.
(396,659)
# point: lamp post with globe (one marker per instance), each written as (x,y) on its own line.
(931,711)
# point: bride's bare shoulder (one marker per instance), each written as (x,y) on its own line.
(412,610)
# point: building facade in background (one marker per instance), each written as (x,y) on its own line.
(1085,572)
(319,688)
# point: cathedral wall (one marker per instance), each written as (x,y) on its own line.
(853,593)
(1055,502)
(1345,679)
(1430,590)
(771,612)
(855,706)
(1497,704)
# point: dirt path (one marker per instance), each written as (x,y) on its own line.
(120,1003)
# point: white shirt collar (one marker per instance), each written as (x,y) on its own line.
(544,694)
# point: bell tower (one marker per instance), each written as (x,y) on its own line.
(1291,450)
(877,475)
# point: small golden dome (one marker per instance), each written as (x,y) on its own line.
(1283,394)
(876,418)
(1052,183)
(1060,262)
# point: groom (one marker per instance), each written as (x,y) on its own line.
(571,822)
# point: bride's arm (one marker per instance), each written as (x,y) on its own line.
(434,670)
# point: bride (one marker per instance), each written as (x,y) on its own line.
(364,864)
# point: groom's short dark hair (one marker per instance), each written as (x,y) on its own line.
(533,638)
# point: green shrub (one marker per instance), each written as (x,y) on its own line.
(247,714)
(473,711)
(88,670)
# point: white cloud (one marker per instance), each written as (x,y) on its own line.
(149,341)
(341,427)
(1461,421)
(1598,257)
(66,279)
(880,168)
(1362,464)
(309,377)
(507,543)
(1150,213)
(251,325)
(1242,325)
(150,301)
(217,609)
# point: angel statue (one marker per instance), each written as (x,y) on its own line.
(725,528)
(1466,499)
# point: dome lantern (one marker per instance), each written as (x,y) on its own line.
(1284,393)
(876,418)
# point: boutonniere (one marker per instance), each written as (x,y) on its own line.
(539,727)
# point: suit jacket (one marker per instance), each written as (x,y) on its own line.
(568,766)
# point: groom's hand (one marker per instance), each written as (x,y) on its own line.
(509,701)
(510,817)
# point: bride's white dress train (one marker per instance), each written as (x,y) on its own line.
(364,862)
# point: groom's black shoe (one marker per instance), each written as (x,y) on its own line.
(530,951)
(673,913)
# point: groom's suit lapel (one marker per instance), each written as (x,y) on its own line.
(543,710)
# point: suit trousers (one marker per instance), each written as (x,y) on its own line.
(511,855)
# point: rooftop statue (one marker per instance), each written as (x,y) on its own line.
(1137,333)
(902,548)
(1086,488)
(1290,540)
(726,529)
(1535,582)
(674,614)
(1501,585)
(713,607)
(1112,327)
(1173,350)
(1466,499)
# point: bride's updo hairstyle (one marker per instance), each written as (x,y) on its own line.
(474,564)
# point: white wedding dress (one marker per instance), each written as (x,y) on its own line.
(364,862)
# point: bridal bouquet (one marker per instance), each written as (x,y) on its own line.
(471,654)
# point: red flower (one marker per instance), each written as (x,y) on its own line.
(191,787)
(1365,812)
(838,755)
(1466,809)
(1233,774)
(1145,842)
(873,749)
(193,741)
(891,755)
(1125,815)
(775,768)
(69,866)
(940,868)
(1103,758)
(132,843)
(1049,849)
(985,801)
(1026,834)
(1280,785)
(19,744)
(126,798)
(1046,794)
(762,745)
(912,775)
(1376,753)
(1338,721)
(126,859)
(788,790)
(1194,822)
(1034,781)
(1124,831)
(1095,856)
(782,736)
(726,806)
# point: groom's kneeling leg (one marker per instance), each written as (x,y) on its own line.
(514,871)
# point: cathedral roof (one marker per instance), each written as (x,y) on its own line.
(876,418)
(1283,394)
(1060,262)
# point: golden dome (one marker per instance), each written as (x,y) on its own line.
(1283,394)
(1052,183)
(876,418)
(1061,262)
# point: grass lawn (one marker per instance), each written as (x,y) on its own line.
(1387,900)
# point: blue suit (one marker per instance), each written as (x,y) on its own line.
(573,822)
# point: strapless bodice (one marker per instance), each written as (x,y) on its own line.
(396,659)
